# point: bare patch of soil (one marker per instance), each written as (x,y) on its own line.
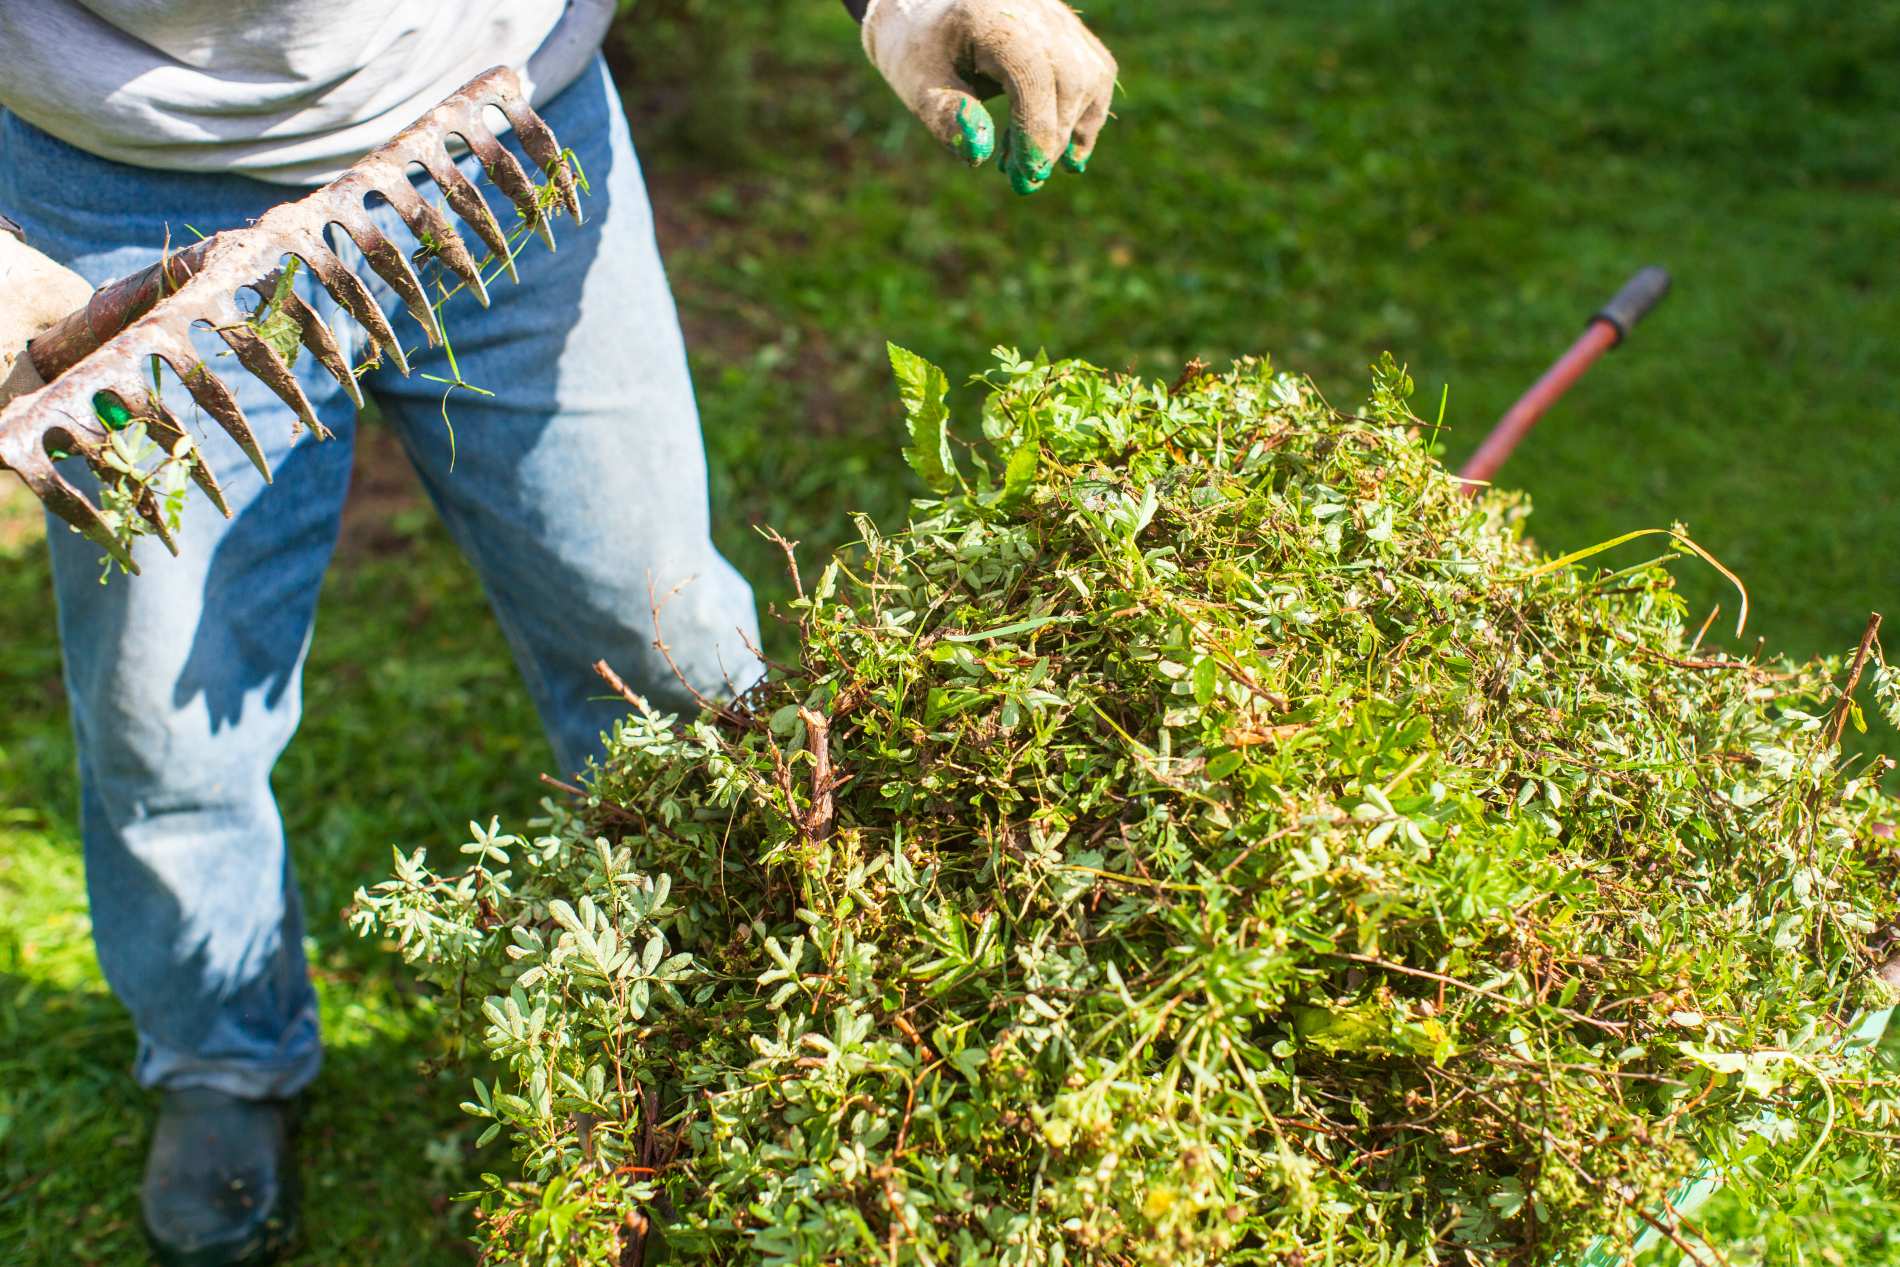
(383,490)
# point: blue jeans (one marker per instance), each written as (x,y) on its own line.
(582,478)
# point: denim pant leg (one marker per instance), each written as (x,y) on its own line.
(578,488)
(184,681)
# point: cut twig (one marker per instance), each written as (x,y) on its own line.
(1745,666)
(569,788)
(910,1031)
(1189,372)
(1853,680)
(1613,1027)
(818,742)
(759,655)
(791,557)
(1835,726)
(1706,622)
(705,702)
(619,685)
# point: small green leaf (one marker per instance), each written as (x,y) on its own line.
(969,1062)
(1019,474)
(1004,631)
(922,387)
(276,327)
(1225,764)
(1206,680)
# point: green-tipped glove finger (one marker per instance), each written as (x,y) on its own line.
(944,56)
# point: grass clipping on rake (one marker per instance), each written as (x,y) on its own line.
(1204,836)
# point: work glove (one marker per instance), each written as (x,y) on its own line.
(944,57)
(34,294)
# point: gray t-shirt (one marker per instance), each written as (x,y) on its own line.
(284,90)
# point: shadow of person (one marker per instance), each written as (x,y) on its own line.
(383,1150)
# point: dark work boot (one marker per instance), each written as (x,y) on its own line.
(221,1182)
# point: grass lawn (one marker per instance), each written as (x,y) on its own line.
(1459,184)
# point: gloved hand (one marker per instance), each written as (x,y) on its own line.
(944,56)
(34,294)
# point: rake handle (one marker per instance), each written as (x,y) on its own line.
(111,309)
(1608,327)
(1639,296)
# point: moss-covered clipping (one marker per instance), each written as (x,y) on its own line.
(1205,836)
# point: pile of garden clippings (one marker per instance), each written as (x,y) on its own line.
(1205,836)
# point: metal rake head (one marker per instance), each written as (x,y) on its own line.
(96,360)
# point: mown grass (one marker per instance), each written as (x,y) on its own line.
(1460,184)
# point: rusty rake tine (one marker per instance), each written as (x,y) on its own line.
(163,426)
(507,176)
(71,505)
(467,202)
(316,336)
(428,224)
(355,298)
(388,262)
(261,359)
(563,177)
(207,481)
(149,511)
(159,422)
(215,399)
(539,142)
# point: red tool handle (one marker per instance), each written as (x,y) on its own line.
(1607,328)
(111,309)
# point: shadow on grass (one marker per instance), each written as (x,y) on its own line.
(382,1155)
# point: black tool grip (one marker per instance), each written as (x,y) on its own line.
(1632,303)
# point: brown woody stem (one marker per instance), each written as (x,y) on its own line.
(1853,681)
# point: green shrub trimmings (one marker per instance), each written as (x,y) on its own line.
(1205,836)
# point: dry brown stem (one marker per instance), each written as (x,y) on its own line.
(818,819)
(618,683)
(1853,680)
(791,557)
(1614,1027)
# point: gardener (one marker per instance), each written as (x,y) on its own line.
(130,123)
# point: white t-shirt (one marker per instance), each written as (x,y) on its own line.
(290,91)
